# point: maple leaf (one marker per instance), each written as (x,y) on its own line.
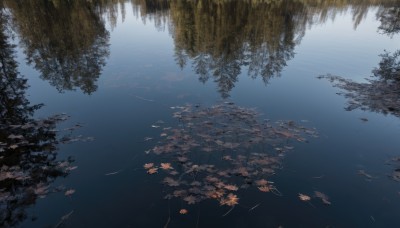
(261,182)
(304,197)
(183,211)
(166,166)
(231,187)
(264,188)
(148,165)
(70,192)
(171,182)
(190,199)
(230,200)
(152,171)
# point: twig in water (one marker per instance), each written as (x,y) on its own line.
(319,177)
(112,173)
(254,207)
(228,211)
(169,216)
(144,99)
(63,219)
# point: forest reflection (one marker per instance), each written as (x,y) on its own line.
(66,41)
(68,44)
(28,146)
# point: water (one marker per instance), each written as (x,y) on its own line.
(117,67)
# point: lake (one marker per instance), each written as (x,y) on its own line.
(200,113)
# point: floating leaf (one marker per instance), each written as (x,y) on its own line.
(148,165)
(152,171)
(264,188)
(69,192)
(166,166)
(230,200)
(231,187)
(183,211)
(304,197)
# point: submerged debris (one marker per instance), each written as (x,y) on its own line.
(214,152)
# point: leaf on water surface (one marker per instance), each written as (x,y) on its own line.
(163,134)
(261,182)
(190,199)
(264,188)
(323,197)
(171,182)
(152,171)
(148,165)
(304,197)
(183,211)
(230,200)
(231,187)
(69,192)
(166,166)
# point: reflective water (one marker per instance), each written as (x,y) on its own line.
(220,86)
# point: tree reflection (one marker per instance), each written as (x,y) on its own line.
(261,36)
(380,94)
(65,40)
(390,20)
(28,147)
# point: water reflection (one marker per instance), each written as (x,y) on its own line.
(65,41)
(28,147)
(381,93)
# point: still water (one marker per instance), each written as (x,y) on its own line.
(200,113)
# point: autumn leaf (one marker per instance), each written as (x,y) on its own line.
(171,182)
(148,165)
(264,188)
(166,166)
(231,187)
(69,192)
(183,211)
(304,197)
(190,199)
(261,182)
(230,200)
(152,171)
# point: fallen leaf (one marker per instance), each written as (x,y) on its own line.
(69,192)
(261,182)
(148,165)
(264,188)
(304,197)
(230,200)
(183,211)
(166,166)
(152,171)
(231,187)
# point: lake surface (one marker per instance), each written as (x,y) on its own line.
(199,113)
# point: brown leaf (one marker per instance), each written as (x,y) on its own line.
(148,165)
(166,166)
(183,211)
(264,188)
(152,171)
(304,197)
(231,187)
(230,200)
(70,192)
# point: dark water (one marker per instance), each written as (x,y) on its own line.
(119,70)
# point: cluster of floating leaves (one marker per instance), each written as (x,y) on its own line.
(214,152)
(319,195)
(381,96)
(28,164)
